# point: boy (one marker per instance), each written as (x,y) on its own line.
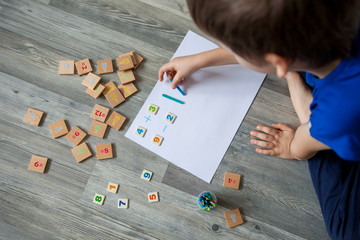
(285,37)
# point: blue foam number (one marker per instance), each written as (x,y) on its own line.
(121,203)
(147,175)
(140,131)
(170,117)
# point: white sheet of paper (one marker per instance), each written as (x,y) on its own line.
(216,102)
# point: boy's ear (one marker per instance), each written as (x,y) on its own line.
(280,63)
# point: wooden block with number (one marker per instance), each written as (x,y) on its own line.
(99,113)
(99,199)
(233,218)
(33,117)
(146,175)
(109,87)
(170,117)
(127,89)
(81,152)
(66,67)
(114,97)
(125,62)
(37,164)
(104,151)
(153,109)
(112,187)
(58,128)
(83,66)
(153,197)
(105,66)
(76,135)
(138,59)
(140,131)
(116,120)
(91,81)
(123,203)
(95,93)
(126,76)
(98,129)
(157,140)
(232,180)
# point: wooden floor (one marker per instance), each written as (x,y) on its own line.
(276,197)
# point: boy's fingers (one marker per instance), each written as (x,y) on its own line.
(165,68)
(176,80)
(263,144)
(262,136)
(281,126)
(265,151)
(267,130)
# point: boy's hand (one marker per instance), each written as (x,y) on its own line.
(274,141)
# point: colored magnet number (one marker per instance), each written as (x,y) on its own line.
(153,197)
(140,131)
(123,203)
(99,199)
(157,140)
(170,117)
(146,175)
(153,109)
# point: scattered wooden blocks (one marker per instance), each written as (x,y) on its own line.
(116,120)
(76,135)
(233,218)
(91,81)
(170,117)
(112,187)
(138,59)
(140,131)
(125,62)
(99,199)
(104,151)
(66,67)
(33,117)
(153,197)
(96,92)
(37,164)
(232,180)
(127,89)
(123,203)
(157,139)
(109,87)
(99,113)
(146,175)
(83,66)
(81,152)
(98,129)
(153,109)
(114,97)
(126,76)
(58,128)
(105,66)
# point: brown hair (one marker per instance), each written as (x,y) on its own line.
(313,31)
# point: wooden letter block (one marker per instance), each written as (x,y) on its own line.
(140,131)
(138,59)
(123,203)
(76,135)
(96,92)
(126,76)
(146,175)
(116,120)
(114,97)
(112,187)
(125,62)
(104,151)
(153,109)
(37,164)
(170,117)
(153,197)
(83,66)
(127,89)
(91,81)
(109,87)
(105,66)
(157,139)
(233,218)
(99,113)
(98,129)
(58,128)
(232,180)
(81,152)
(66,67)
(99,199)
(33,117)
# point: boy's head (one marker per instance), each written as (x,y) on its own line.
(313,32)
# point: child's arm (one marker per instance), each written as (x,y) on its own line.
(181,67)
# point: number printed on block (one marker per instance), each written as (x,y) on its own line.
(99,113)
(104,151)
(91,80)
(123,203)
(83,66)
(157,139)
(105,66)
(116,120)
(76,135)
(81,152)
(37,164)
(170,117)
(33,117)
(153,197)
(58,128)
(112,187)
(153,109)
(98,129)
(99,199)
(66,67)
(146,175)
(140,131)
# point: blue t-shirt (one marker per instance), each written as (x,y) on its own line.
(335,110)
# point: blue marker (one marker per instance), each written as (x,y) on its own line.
(178,88)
